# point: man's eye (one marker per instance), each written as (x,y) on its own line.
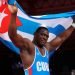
(41,34)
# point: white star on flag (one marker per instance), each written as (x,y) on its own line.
(2,15)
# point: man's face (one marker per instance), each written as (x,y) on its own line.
(42,37)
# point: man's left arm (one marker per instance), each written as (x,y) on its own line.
(60,39)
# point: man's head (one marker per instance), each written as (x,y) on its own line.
(41,36)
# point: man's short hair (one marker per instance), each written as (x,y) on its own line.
(38,29)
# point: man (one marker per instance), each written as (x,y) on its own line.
(34,54)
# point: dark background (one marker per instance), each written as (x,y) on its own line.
(46,6)
(9,62)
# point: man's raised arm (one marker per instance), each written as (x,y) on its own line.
(12,31)
(17,39)
(61,38)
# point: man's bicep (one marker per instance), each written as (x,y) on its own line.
(23,43)
(18,40)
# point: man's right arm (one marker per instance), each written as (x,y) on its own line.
(18,40)
(12,31)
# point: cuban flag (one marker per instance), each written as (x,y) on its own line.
(56,24)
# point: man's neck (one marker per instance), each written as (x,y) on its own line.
(40,46)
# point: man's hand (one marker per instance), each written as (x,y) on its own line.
(13,9)
(73,25)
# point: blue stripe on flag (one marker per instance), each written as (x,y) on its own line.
(11,2)
(56,30)
(28,26)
